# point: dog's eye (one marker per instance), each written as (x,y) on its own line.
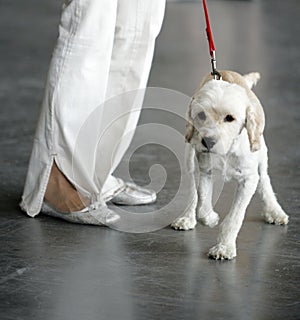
(201,115)
(229,118)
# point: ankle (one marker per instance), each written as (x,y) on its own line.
(61,194)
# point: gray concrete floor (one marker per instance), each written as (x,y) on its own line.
(54,270)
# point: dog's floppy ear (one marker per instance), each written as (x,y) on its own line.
(255,122)
(189,125)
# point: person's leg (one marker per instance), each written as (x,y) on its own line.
(137,26)
(76,85)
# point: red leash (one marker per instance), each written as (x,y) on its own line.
(212,49)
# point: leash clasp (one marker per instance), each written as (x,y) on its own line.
(215,73)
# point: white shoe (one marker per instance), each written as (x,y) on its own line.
(133,195)
(94,214)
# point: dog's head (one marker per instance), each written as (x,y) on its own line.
(221,109)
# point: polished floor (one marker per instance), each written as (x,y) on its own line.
(54,270)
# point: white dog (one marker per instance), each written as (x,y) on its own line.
(225,126)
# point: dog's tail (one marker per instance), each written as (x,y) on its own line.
(251,78)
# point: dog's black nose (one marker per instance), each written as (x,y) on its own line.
(208,143)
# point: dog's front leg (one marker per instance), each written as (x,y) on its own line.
(188,220)
(230,227)
(205,213)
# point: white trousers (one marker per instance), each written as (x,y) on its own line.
(104,49)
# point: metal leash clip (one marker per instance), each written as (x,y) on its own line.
(215,73)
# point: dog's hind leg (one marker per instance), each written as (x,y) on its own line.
(273,213)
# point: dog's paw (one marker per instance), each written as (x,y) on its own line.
(276,216)
(184,223)
(222,252)
(211,220)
